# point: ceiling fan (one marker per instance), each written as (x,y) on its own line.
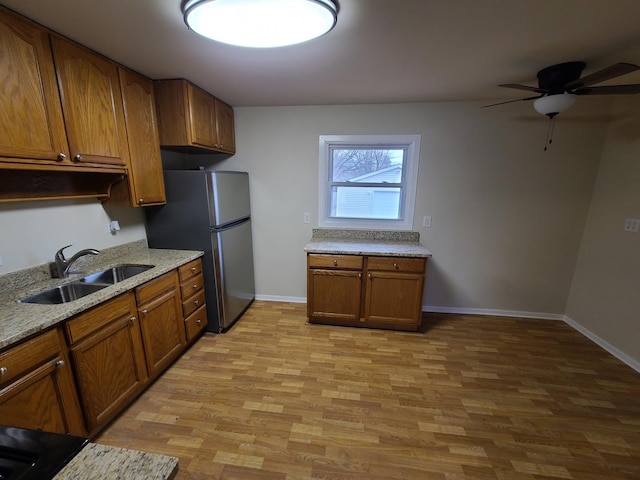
(559,85)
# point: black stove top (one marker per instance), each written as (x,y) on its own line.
(34,454)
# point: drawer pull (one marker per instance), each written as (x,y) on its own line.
(195,286)
(395,266)
(198,321)
(335,262)
(196,302)
(3,371)
(145,311)
(132,319)
(77,158)
(359,275)
(193,269)
(60,363)
(61,157)
(369,275)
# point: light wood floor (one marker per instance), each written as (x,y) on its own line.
(468,397)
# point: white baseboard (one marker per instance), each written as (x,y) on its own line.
(620,355)
(496,313)
(623,357)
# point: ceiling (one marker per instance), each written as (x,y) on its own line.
(381,51)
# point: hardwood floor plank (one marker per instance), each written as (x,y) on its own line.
(467,397)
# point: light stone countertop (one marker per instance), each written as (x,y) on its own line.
(366,242)
(21,320)
(101,462)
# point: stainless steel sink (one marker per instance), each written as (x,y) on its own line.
(115,274)
(63,293)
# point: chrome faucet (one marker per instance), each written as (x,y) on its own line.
(63,265)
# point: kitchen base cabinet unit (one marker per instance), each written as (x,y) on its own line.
(36,386)
(365,291)
(109,359)
(193,302)
(161,323)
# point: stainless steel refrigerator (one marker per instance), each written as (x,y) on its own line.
(210,211)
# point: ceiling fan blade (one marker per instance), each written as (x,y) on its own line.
(512,101)
(523,87)
(609,90)
(608,73)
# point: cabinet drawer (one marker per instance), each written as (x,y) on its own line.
(156,287)
(192,303)
(318,260)
(191,287)
(19,359)
(403,264)
(189,270)
(195,322)
(96,318)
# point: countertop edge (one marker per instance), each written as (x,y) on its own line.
(338,246)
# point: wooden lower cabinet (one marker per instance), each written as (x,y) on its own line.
(194,309)
(36,386)
(366,291)
(108,356)
(161,322)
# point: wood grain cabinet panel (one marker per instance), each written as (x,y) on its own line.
(109,359)
(367,291)
(36,386)
(31,124)
(161,321)
(193,300)
(89,88)
(145,180)
(191,118)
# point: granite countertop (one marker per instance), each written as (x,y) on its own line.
(366,242)
(101,462)
(20,320)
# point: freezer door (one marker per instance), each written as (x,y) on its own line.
(230,197)
(235,282)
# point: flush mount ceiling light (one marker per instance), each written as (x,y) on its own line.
(260,23)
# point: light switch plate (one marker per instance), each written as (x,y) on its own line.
(426,221)
(306,218)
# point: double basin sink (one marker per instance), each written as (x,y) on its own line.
(86,285)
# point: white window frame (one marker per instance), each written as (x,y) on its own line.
(410,142)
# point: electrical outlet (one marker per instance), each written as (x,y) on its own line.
(426,221)
(632,225)
(306,218)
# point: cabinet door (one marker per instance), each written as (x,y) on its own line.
(333,296)
(37,389)
(31,125)
(202,116)
(91,104)
(109,362)
(146,184)
(225,127)
(161,321)
(393,300)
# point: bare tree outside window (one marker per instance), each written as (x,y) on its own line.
(351,163)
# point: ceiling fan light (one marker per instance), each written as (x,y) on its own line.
(260,23)
(551,105)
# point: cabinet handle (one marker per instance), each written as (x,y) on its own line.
(132,319)
(359,275)
(198,321)
(60,363)
(369,275)
(77,158)
(335,262)
(61,157)
(3,371)
(145,311)
(196,302)
(195,286)
(140,200)
(193,269)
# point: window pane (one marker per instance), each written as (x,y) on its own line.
(367,165)
(366,202)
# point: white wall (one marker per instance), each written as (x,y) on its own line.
(507,216)
(605,295)
(31,232)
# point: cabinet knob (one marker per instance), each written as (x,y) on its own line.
(359,275)
(196,302)
(140,200)
(369,275)
(60,363)
(145,311)
(198,321)
(3,371)
(195,286)
(61,157)
(132,319)
(193,269)
(335,262)
(77,158)
(395,265)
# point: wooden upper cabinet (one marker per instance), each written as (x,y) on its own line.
(146,183)
(191,118)
(225,127)
(31,125)
(89,88)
